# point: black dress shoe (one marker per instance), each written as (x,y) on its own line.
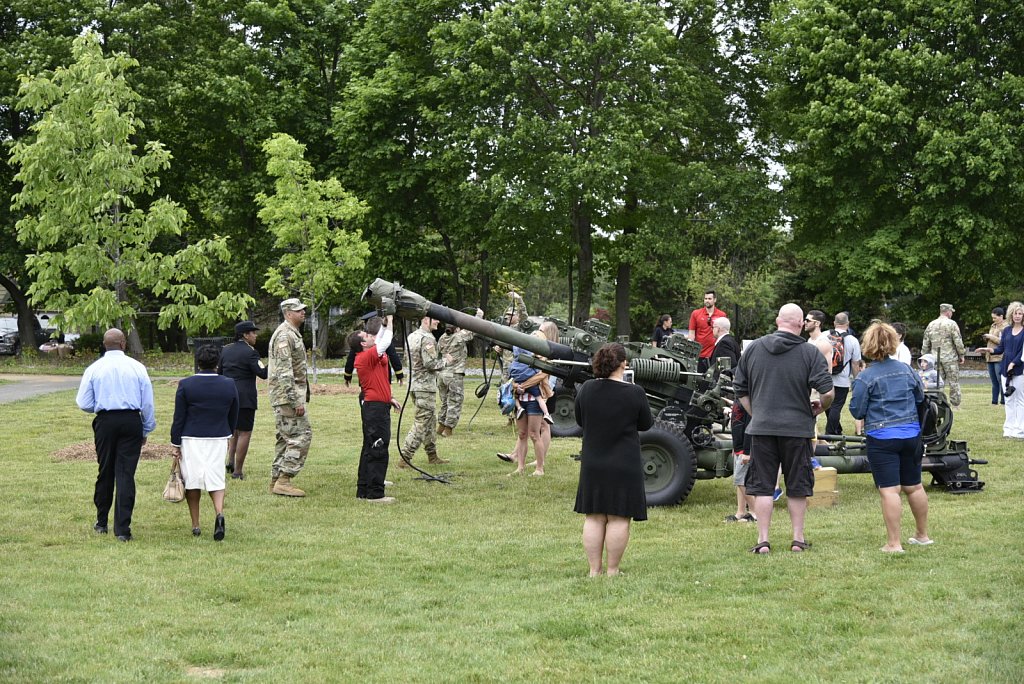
(230,467)
(218,528)
(124,537)
(196,531)
(101,529)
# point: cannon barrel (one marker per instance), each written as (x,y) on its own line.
(412,306)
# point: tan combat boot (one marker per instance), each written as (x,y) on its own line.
(433,458)
(284,487)
(447,432)
(273,482)
(440,429)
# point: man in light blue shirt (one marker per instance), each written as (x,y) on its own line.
(117,389)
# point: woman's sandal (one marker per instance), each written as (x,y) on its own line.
(800,546)
(762,545)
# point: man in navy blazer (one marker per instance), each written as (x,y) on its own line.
(241,362)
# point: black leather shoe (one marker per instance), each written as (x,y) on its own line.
(218,528)
(100,529)
(230,467)
(124,537)
(196,531)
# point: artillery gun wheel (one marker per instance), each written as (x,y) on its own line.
(562,407)
(670,467)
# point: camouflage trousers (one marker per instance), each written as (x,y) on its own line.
(293,438)
(451,392)
(949,372)
(422,431)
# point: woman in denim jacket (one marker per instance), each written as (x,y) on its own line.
(886,396)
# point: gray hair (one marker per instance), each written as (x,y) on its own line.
(723,323)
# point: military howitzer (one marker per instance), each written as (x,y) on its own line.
(689,440)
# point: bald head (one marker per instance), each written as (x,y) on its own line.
(113,339)
(791,319)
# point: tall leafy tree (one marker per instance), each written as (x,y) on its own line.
(89,217)
(604,133)
(396,148)
(34,36)
(904,138)
(310,218)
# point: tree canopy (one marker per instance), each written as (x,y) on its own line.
(845,154)
(101,243)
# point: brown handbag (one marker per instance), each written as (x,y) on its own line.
(174,490)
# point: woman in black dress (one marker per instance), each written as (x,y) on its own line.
(611,412)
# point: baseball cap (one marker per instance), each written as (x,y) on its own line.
(292,304)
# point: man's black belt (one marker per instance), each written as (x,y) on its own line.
(100,413)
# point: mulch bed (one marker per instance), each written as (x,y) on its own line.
(332,390)
(86,451)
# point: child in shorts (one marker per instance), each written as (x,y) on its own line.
(519,372)
(738,423)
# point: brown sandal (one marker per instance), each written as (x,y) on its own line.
(800,546)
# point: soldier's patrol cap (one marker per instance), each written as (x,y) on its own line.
(946,307)
(244,327)
(292,304)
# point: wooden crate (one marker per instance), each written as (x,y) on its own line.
(826,489)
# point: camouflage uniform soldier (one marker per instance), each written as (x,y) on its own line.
(942,339)
(289,393)
(451,379)
(422,349)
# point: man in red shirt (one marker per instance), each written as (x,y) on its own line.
(375,406)
(700,328)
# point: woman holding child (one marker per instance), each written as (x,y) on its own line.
(1011,344)
(886,396)
(610,494)
(532,418)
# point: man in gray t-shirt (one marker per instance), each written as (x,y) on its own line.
(842,378)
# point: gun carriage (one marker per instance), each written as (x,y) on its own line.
(690,439)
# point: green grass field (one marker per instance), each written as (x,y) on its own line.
(484,580)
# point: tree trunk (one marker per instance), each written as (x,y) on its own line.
(456,301)
(623,279)
(135,349)
(485,282)
(581,229)
(26,319)
(622,286)
(569,288)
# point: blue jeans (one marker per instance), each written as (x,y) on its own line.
(997,385)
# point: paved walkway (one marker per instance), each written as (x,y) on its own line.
(18,387)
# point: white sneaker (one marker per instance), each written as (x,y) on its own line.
(383,500)
(388,483)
